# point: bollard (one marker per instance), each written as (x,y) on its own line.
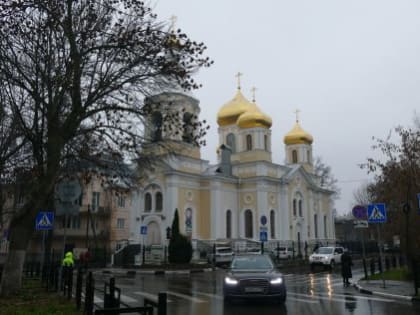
(162,301)
(79,281)
(89,294)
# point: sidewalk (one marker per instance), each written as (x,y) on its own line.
(403,290)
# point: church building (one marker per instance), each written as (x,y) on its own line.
(244,194)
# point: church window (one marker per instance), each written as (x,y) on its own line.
(309,156)
(159,202)
(272,224)
(294,207)
(300,208)
(249,233)
(294,156)
(248,142)
(188,128)
(230,141)
(228,224)
(157,126)
(316,225)
(265,142)
(325,226)
(148,202)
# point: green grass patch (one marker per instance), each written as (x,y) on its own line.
(33,299)
(400,274)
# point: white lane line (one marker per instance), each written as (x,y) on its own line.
(151,297)
(187,297)
(214,296)
(289,298)
(341,296)
(128,299)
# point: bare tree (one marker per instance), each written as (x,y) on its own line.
(325,176)
(362,195)
(75,75)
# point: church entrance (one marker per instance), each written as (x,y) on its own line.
(153,234)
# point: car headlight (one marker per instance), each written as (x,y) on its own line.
(276,281)
(231,281)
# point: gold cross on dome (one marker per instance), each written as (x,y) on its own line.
(297,111)
(253,89)
(238,76)
(173,19)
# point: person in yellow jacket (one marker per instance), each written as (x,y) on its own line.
(67,271)
(68,260)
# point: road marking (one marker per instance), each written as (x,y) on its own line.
(149,296)
(214,296)
(300,300)
(128,299)
(332,298)
(187,297)
(361,297)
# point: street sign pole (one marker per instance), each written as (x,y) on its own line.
(363,252)
(65,234)
(381,255)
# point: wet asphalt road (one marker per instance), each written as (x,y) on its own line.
(316,293)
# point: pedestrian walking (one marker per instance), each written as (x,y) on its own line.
(67,269)
(346,263)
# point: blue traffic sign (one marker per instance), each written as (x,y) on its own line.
(376,213)
(143,229)
(263,236)
(44,221)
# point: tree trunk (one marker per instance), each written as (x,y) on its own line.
(21,230)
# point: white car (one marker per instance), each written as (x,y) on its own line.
(223,256)
(283,252)
(326,256)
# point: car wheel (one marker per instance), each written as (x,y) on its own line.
(332,264)
(283,299)
(312,267)
(227,300)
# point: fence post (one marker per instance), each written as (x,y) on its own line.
(69,282)
(89,294)
(380,265)
(79,281)
(162,303)
(372,266)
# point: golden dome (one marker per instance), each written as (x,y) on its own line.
(298,136)
(230,112)
(254,117)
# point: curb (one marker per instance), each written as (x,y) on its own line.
(133,273)
(389,295)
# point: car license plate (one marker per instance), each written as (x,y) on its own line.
(253,290)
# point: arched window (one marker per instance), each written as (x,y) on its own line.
(300,208)
(157,126)
(325,226)
(294,156)
(309,156)
(272,224)
(294,207)
(316,225)
(249,233)
(230,141)
(188,221)
(228,224)
(248,142)
(188,128)
(159,202)
(265,142)
(148,202)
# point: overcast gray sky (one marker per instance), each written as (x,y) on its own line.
(351,67)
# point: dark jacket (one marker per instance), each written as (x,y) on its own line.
(346,263)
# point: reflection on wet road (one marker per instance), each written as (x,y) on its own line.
(310,293)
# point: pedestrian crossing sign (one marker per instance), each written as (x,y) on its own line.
(44,221)
(376,213)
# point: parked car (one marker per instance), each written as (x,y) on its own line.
(326,256)
(283,252)
(253,276)
(222,256)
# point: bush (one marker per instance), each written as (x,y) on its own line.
(180,250)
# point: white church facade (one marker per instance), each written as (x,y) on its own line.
(243,194)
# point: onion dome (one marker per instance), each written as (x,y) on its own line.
(298,136)
(229,113)
(254,117)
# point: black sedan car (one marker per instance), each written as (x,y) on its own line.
(254,276)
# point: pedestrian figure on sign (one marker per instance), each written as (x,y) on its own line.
(346,263)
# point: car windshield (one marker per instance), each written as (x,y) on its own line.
(256,262)
(325,250)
